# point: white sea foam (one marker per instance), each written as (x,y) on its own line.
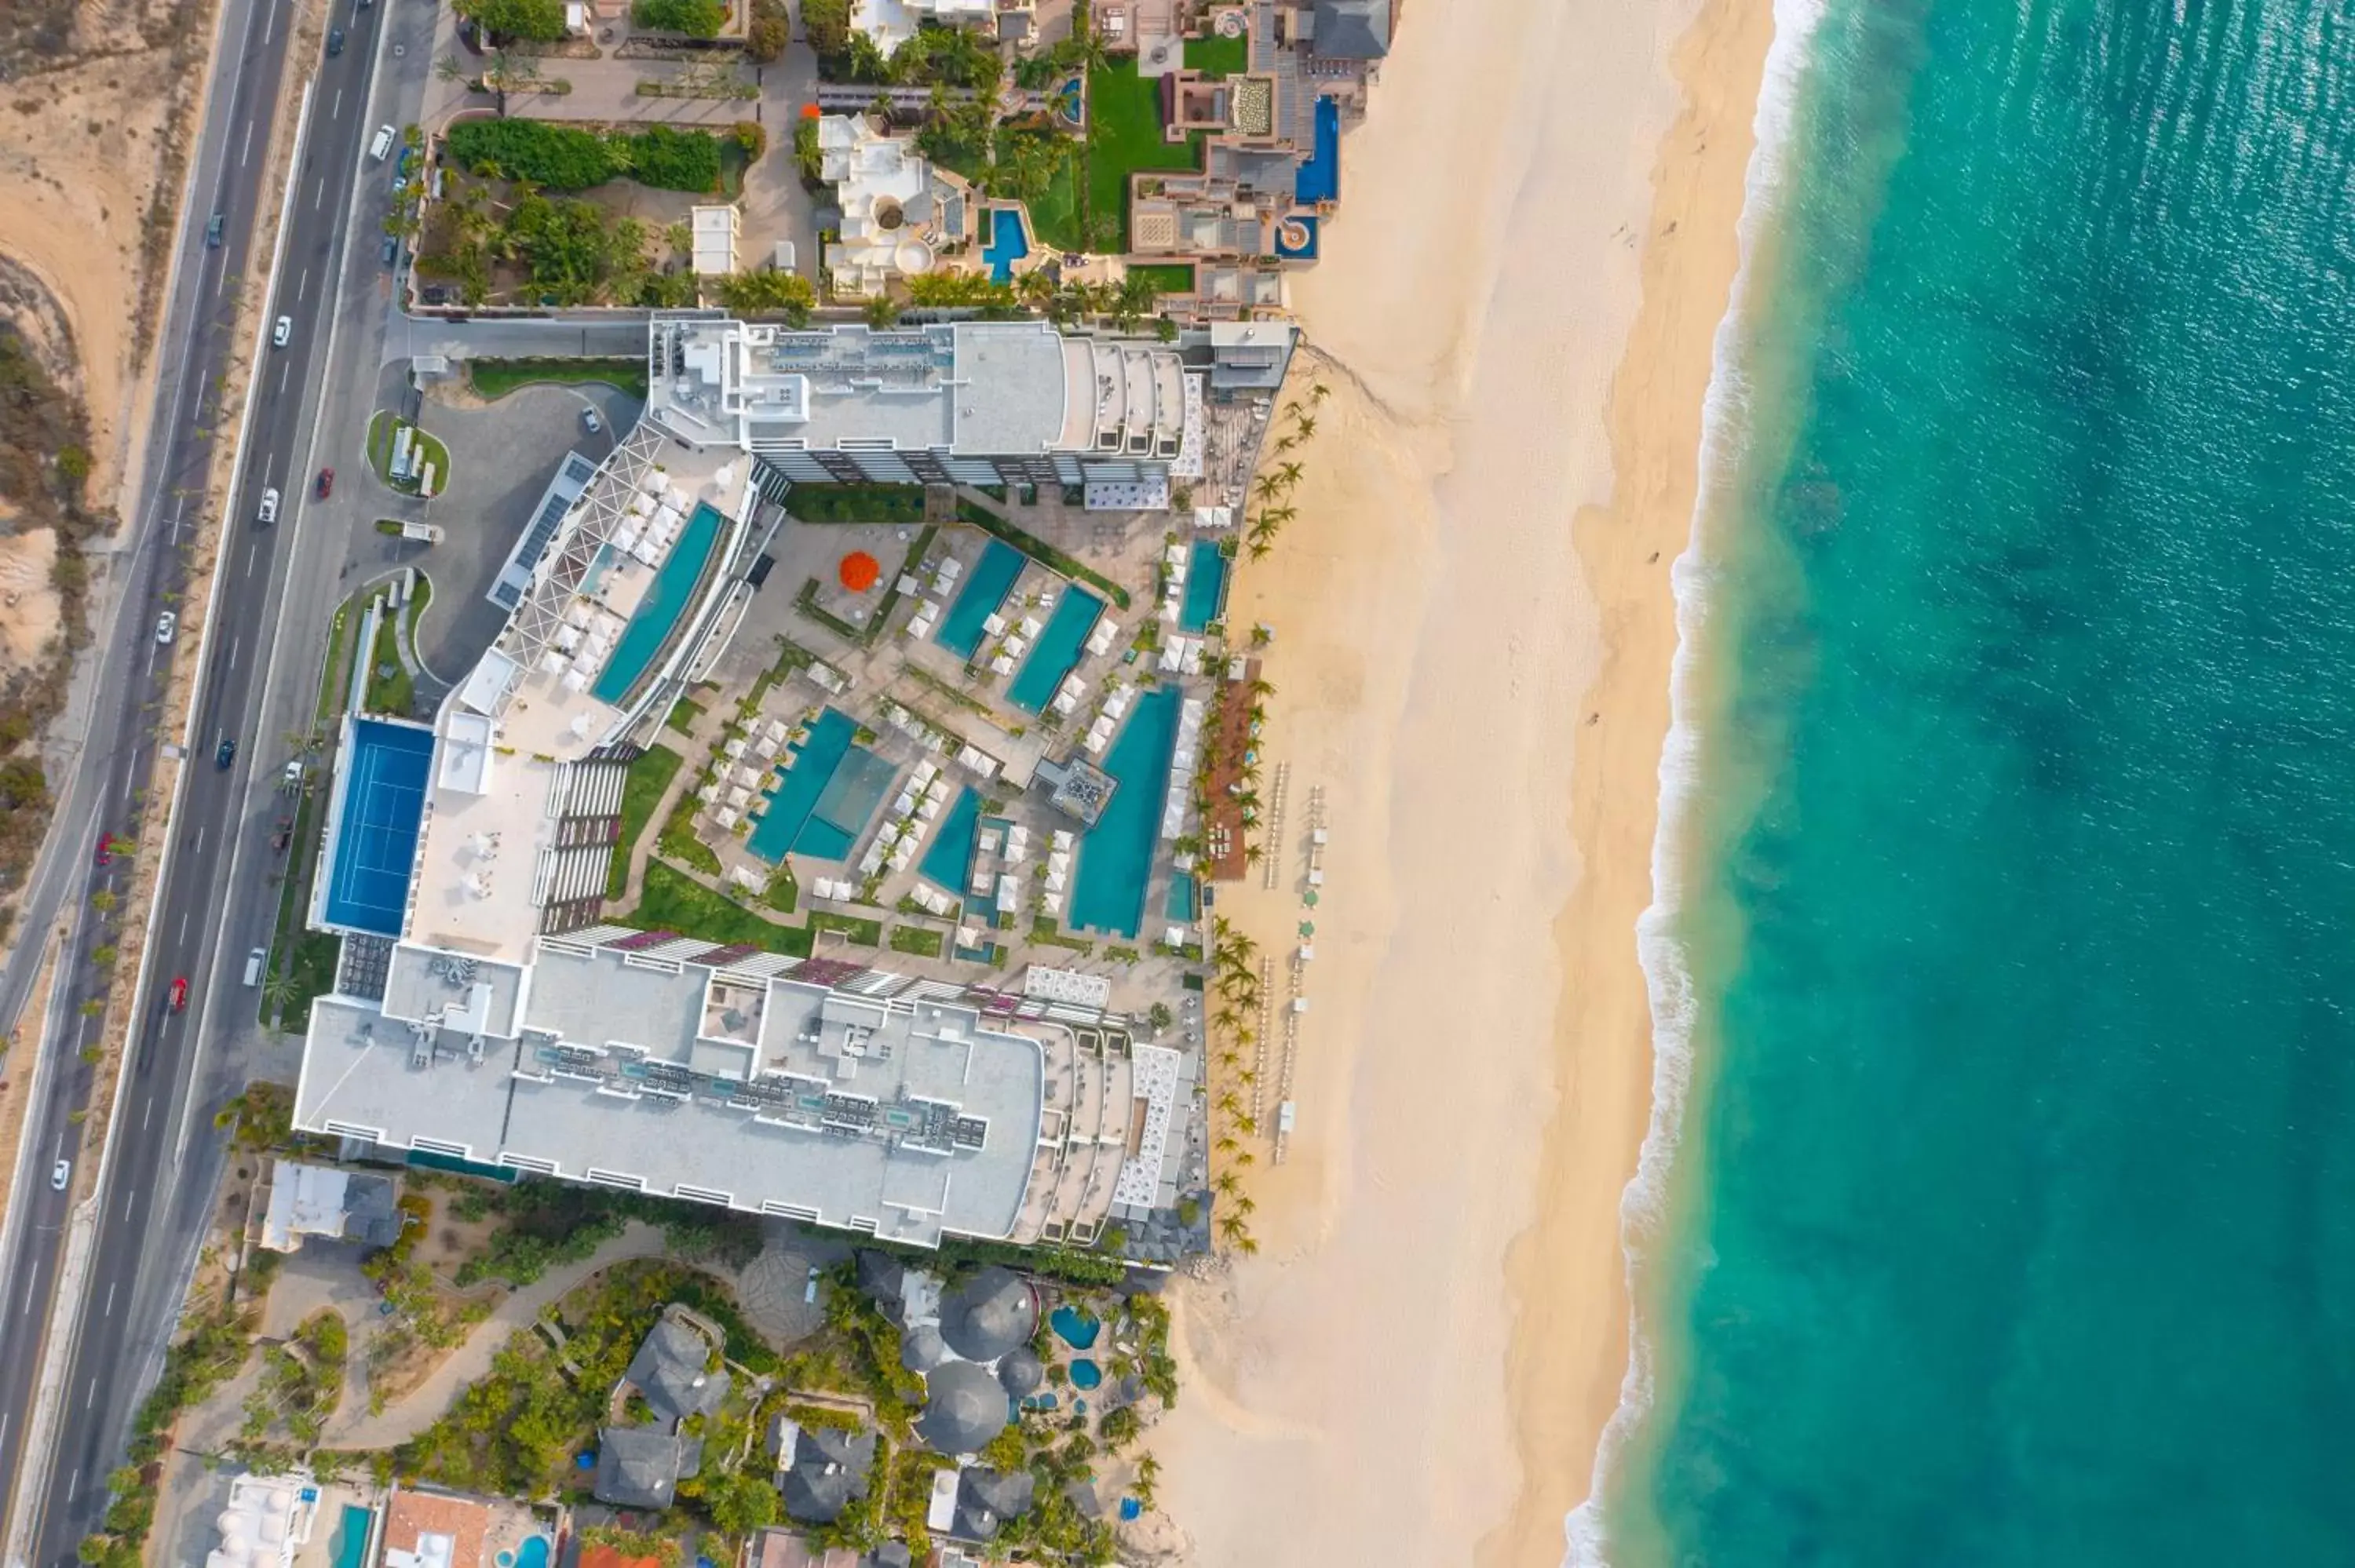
(1725,427)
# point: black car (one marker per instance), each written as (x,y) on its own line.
(225,753)
(335,42)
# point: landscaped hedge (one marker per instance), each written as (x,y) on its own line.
(700,18)
(565,158)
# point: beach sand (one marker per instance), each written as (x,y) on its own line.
(1475,630)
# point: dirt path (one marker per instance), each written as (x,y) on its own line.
(354,1427)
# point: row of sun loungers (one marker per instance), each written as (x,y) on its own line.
(1181,767)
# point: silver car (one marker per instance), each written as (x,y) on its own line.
(166,624)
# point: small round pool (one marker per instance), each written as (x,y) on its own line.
(1085,1373)
(1076,1329)
(532,1553)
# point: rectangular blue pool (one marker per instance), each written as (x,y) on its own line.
(657,614)
(950,858)
(352,1536)
(1057,650)
(1179,905)
(1206,586)
(1007,243)
(985,590)
(1320,178)
(380,813)
(1117,854)
(814,761)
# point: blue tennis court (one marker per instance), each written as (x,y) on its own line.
(374,840)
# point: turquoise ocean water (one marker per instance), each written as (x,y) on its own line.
(2001,1205)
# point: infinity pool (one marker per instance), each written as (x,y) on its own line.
(950,858)
(1057,650)
(985,590)
(790,805)
(657,614)
(1206,581)
(1117,854)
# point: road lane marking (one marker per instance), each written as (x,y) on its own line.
(200,839)
(175,519)
(336,112)
(73,1483)
(184,925)
(250,551)
(246,151)
(318,193)
(91,1398)
(150,1111)
(283,369)
(303,284)
(126,1204)
(269,22)
(152,646)
(235,644)
(109,1310)
(27,1307)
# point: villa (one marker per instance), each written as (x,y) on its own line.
(900,211)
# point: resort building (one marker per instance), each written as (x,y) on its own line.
(486,1010)
(892,23)
(961,403)
(900,213)
(713,236)
(267,1517)
(305,1200)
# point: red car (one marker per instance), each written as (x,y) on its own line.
(106,848)
(179,993)
(326,482)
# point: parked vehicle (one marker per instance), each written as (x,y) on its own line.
(283,331)
(326,482)
(269,513)
(253,962)
(292,778)
(589,419)
(179,993)
(392,249)
(381,144)
(165,625)
(334,41)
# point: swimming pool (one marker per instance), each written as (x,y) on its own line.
(1074,1328)
(659,612)
(1085,1373)
(985,590)
(379,812)
(814,761)
(1117,854)
(1320,178)
(352,1536)
(1179,905)
(1057,650)
(950,858)
(1206,583)
(1007,243)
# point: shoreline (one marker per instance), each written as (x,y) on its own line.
(1421,1363)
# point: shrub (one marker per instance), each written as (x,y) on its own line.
(770,31)
(752,136)
(769,292)
(556,156)
(541,20)
(673,160)
(702,18)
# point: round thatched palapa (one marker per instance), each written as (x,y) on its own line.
(989,1314)
(921,1349)
(1020,1373)
(964,1408)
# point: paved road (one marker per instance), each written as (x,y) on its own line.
(157,1189)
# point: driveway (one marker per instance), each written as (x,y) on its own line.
(502,456)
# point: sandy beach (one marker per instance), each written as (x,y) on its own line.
(1474,626)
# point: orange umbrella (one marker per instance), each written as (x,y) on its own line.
(860,571)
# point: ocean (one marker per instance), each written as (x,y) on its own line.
(1999,1207)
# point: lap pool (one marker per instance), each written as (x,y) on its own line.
(659,612)
(1206,582)
(1117,854)
(985,590)
(1057,650)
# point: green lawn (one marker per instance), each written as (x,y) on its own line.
(672,902)
(864,930)
(335,677)
(1174,278)
(642,790)
(683,714)
(916,940)
(1123,136)
(498,377)
(1218,57)
(1055,215)
(383,431)
(393,694)
(856,503)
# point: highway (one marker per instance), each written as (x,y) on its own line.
(215,903)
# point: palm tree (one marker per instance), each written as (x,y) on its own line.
(1225,1144)
(1289,472)
(1247,1125)
(1318,392)
(277,991)
(1264,487)
(1243,1204)
(1244,1158)
(1251,853)
(1227,1183)
(1306,425)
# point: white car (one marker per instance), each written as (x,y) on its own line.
(57,1174)
(269,513)
(293,775)
(282,331)
(589,418)
(166,624)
